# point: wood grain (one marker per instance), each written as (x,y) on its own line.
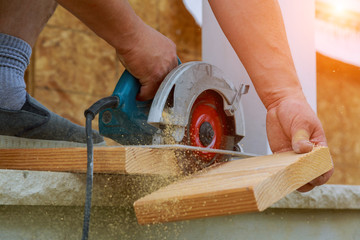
(130,160)
(245,185)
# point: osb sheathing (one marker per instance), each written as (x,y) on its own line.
(338,89)
(72,67)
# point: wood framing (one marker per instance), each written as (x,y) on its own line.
(239,186)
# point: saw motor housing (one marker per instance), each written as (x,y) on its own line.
(151,122)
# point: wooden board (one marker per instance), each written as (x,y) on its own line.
(245,185)
(132,160)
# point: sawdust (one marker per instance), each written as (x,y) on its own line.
(132,188)
(169,128)
(186,160)
(138,186)
(164,231)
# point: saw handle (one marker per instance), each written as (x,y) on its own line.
(128,87)
(127,122)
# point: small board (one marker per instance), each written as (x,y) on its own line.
(238,186)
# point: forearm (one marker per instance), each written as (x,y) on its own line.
(145,53)
(113,20)
(256,31)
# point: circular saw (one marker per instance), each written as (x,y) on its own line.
(194,106)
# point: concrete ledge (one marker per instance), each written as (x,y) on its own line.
(68,189)
(111,223)
(323,197)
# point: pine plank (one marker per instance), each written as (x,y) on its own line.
(125,160)
(245,185)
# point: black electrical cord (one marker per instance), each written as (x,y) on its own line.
(89,177)
(90,113)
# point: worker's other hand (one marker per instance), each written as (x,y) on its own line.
(151,57)
(292,125)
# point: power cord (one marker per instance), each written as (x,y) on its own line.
(90,113)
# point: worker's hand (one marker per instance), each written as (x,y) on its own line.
(292,125)
(150,59)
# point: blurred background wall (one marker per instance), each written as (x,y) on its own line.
(71,68)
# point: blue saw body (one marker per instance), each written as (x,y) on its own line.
(135,122)
(127,124)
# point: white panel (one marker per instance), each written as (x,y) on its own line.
(195,8)
(299,18)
